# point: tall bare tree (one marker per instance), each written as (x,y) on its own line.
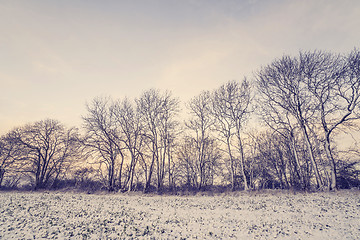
(231,109)
(158,111)
(334,83)
(281,122)
(129,125)
(102,140)
(202,159)
(281,84)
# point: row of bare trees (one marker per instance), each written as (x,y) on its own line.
(298,103)
(132,138)
(307,98)
(215,133)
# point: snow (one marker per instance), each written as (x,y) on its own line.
(241,215)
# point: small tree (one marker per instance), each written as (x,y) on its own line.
(11,157)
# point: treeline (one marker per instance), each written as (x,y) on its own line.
(299,104)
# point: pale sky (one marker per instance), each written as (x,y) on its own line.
(57,55)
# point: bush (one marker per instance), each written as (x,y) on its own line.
(348,175)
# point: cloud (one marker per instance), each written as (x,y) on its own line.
(81,49)
(294,25)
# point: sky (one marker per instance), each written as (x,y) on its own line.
(57,55)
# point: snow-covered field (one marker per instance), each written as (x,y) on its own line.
(266,215)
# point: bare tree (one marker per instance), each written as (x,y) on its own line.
(198,174)
(129,125)
(157,113)
(11,157)
(168,133)
(149,106)
(102,139)
(334,82)
(275,154)
(281,84)
(200,165)
(231,108)
(284,125)
(49,150)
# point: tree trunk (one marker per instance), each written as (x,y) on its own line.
(311,155)
(242,162)
(111,176)
(131,172)
(232,167)
(2,173)
(333,183)
(38,172)
(148,180)
(297,168)
(120,169)
(169,166)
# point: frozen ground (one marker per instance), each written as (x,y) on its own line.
(267,215)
